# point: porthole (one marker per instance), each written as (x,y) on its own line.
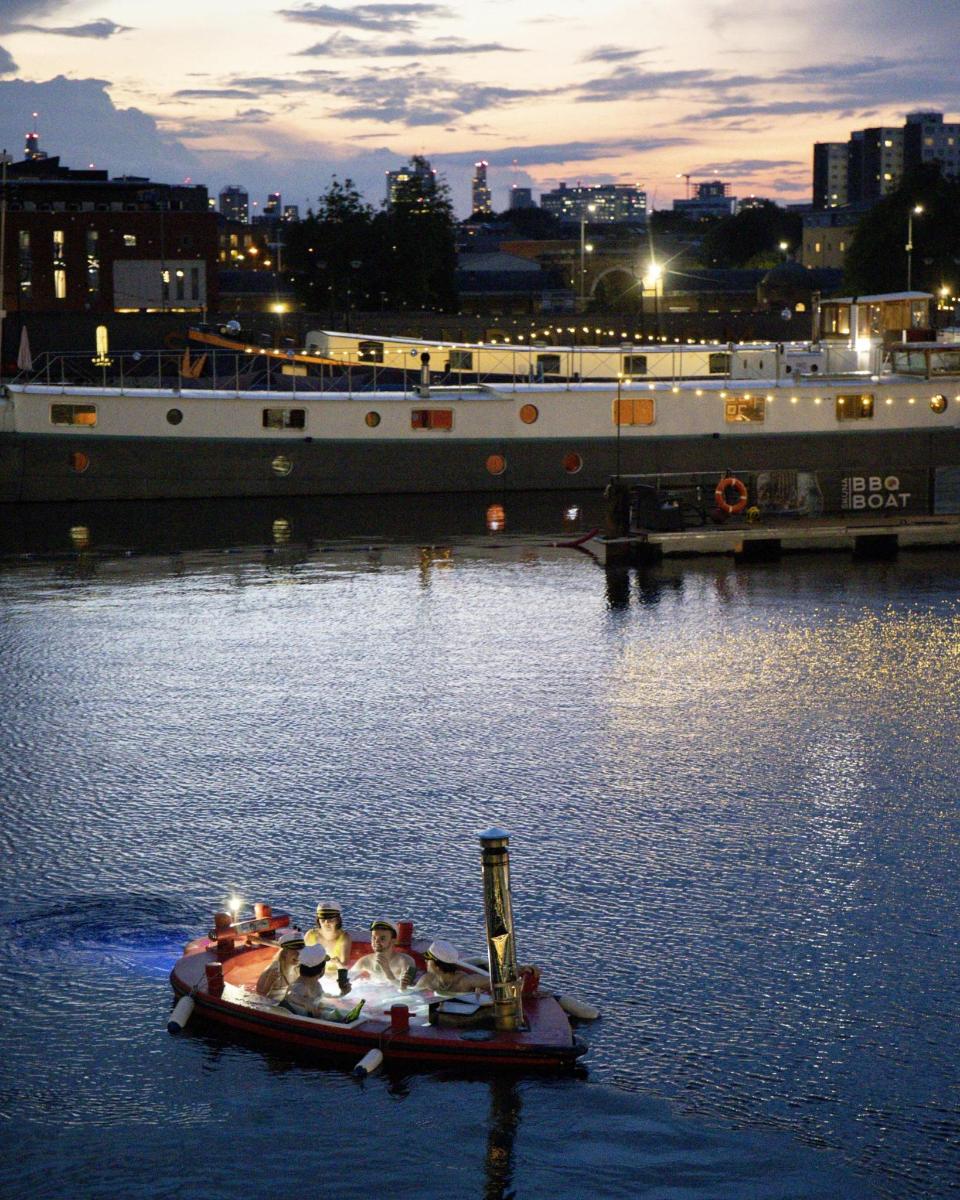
(79,461)
(496,464)
(174,416)
(572,463)
(938,404)
(529,414)
(281,465)
(372,419)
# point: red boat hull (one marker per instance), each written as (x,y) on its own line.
(547,1042)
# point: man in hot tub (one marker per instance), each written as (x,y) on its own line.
(385,964)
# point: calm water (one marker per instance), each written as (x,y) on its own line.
(732,794)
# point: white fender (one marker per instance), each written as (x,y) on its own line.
(368,1064)
(578,1008)
(180,1015)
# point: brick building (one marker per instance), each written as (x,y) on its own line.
(79,241)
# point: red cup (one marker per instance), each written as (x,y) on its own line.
(399,1018)
(404,933)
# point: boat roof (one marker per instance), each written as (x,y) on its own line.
(877,299)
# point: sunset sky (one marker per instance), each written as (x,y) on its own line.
(279,96)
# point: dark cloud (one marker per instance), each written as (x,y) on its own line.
(342,45)
(12,12)
(382,18)
(610,54)
(744,167)
(215,94)
(93,29)
(82,125)
(7,65)
(557,153)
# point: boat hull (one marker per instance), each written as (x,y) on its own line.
(42,467)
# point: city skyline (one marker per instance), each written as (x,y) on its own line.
(281,100)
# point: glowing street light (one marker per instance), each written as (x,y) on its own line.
(914,212)
(590,208)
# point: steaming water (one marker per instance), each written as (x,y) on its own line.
(733,806)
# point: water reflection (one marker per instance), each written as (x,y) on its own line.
(503,1122)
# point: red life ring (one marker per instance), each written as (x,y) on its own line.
(720,495)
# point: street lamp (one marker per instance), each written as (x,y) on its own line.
(784,247)
(652,280)
(590,208)
(914,212)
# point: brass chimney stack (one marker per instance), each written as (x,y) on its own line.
(501,944)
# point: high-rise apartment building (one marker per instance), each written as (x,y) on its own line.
(830,170)
(521,197)
(235,203)
(877,159)
(599,204)
(415,170)
(927,138)
(479,191)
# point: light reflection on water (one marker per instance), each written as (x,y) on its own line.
(731,794)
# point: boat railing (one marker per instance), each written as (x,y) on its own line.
(223,371)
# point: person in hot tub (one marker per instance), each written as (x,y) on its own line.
(331,935)
(385,963)
(307,998)
(283,971)
(444,974)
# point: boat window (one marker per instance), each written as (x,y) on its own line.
(281,465)
(633,410)
(79,461)
(719,364)
(460,360)
(548,364)
(529,414)
(174,416)
(744,408)
(431,418)
(372,419)
(73,414)
(370,352)
(496,464)
(572,463)
(938,404)
(284,418)
(634,364)
(855,408)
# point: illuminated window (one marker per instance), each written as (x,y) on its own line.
(460,360)
(431,418)
(719,364)
(634,364)
(633,410)
(496,464)
(25,263)
(130,240)
(73,414)
(93,263)
(372,419)
(79,461)
(371,352)
(529,414)
(572,463)
(281,465)
(284,418)
(938,404)
(744,408)
(855,408)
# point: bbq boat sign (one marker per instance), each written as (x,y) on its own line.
(875,493)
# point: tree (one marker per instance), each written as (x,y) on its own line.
(418,240)
(754,234)
(330,251)
(877,258)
